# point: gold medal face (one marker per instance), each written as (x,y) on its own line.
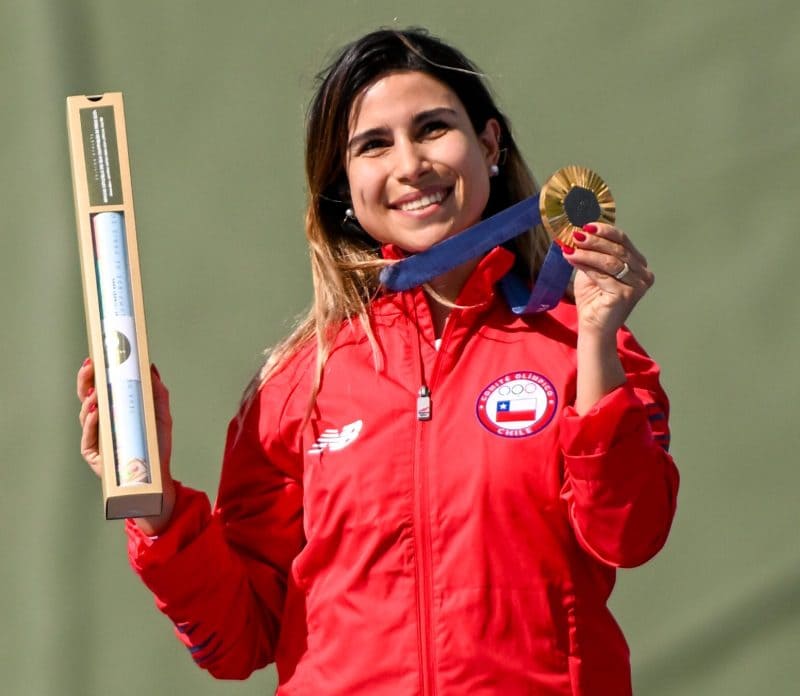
(573,197)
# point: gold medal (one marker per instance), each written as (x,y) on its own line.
(571,198)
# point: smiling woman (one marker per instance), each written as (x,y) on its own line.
(418,171)
(422,492)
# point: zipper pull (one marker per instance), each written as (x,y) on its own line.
(424,404)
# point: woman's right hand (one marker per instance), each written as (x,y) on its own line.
(88,418)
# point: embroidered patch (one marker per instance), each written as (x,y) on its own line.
(518,404)
(334,439)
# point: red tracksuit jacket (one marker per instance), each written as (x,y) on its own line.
(370,552)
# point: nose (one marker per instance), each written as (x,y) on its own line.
(410,160)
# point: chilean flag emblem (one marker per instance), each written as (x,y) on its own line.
(518,404)
(518,410)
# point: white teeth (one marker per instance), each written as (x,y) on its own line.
(420,203)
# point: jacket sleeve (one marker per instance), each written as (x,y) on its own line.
(620,483)
(220,575)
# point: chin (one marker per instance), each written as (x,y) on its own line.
(423,242)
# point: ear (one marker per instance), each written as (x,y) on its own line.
(490,140)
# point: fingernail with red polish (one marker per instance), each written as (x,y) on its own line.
(591,229)
(580,236)
(86,362)
(568,250)
(90,392)
(92,408)
(155,371)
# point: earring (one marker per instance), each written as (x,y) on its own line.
(494,170)
(350,222)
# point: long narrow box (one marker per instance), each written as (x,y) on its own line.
(112,294)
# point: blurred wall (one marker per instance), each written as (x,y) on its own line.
(689,110)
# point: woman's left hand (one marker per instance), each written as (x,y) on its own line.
(612,277)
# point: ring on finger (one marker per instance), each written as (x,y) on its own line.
(623,271)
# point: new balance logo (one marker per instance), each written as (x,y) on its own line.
(334,440)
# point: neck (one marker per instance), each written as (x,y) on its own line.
(447,287)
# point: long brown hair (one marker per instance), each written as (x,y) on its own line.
(345,261)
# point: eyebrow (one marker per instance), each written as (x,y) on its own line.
(419,118)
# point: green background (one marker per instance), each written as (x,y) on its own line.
(687,109)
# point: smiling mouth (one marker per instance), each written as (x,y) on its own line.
(423,201)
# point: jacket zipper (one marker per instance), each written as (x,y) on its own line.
(424,403)
(424,549)
(423,565)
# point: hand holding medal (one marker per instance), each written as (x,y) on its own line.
(578,213)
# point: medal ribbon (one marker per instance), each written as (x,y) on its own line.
(475,241)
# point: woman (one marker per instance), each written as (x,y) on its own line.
(422,492)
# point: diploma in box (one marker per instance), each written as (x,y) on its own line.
(112,293)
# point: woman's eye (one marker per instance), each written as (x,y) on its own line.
(372,146)
(434,128)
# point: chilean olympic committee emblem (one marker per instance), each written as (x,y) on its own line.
(518,404)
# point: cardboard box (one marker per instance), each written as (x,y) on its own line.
(112,293)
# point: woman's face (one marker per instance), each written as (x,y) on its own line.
(418,172)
